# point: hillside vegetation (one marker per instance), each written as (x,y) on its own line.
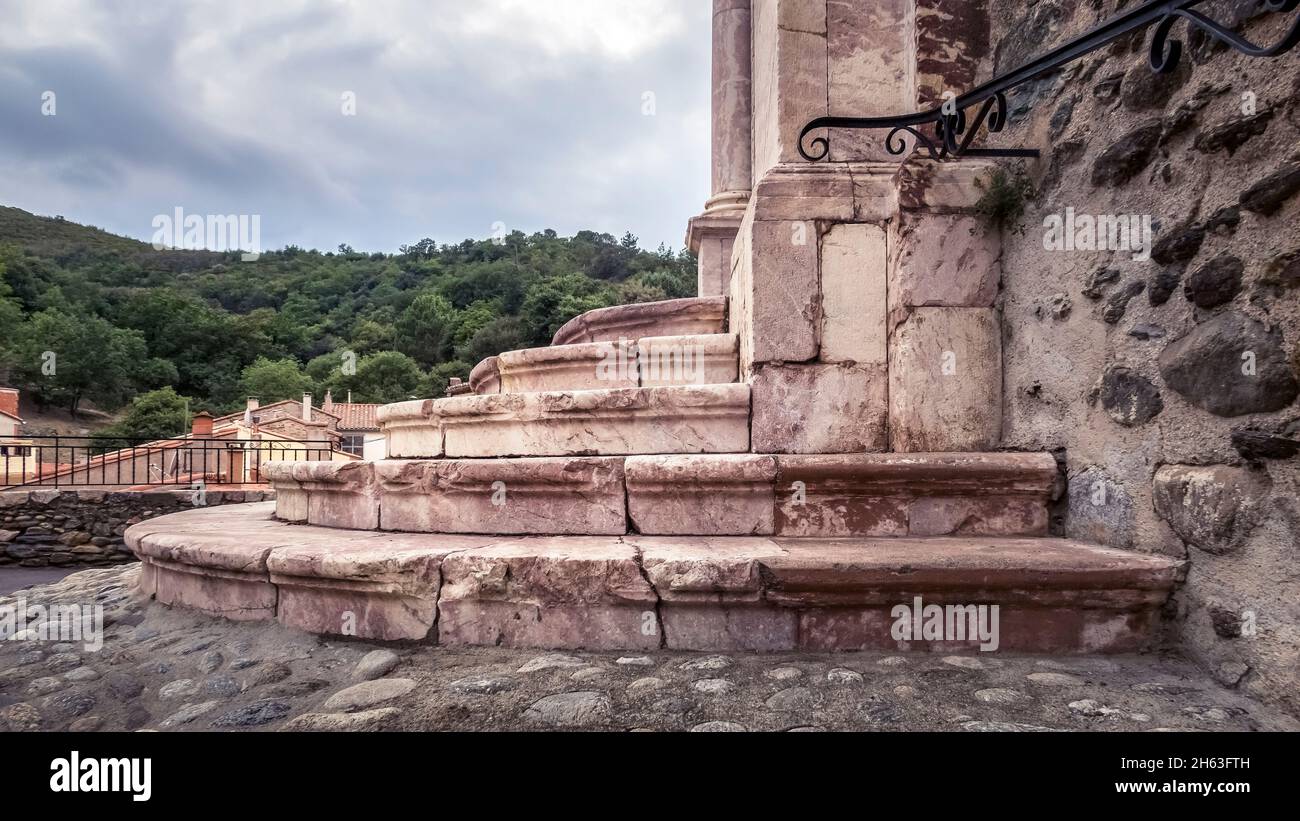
(91,316)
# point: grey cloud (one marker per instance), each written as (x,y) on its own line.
(446,142)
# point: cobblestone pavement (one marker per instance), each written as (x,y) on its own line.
(173,670)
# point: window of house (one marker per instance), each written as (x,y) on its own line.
(354,444)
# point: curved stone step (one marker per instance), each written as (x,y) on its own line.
(554,496)
(865,495)
(660,361)
(409,429)
(486,376)
(673,317)
(610,592)
(914,494)
(612,421)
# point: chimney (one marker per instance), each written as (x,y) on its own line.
(201,427)
(248,411)
(349,397)
(306,407)
(9,401)
(328,404)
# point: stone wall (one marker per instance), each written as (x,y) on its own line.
(83,528)
(1168,385)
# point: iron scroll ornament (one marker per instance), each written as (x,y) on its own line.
(954,130)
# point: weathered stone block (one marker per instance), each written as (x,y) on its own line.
(923,494)
(576,367)
(1214,508)
(711,592)
(784,295)
(789,77)
(486,376)
(700,359)
(570,592)
(1231,365)
(513,496)
(703,495)
(678,419)
(943,260)
(410,430)
(375,587)
(945,381)
(1101,509)
(819,409)
(339,494)
(869,69)
(671,317)
(853,277)
(942,186)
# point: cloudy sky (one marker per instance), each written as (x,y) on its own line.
(533,114)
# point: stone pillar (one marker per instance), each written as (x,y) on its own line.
(862,291)
(953,51)
(945,335)
(712,234)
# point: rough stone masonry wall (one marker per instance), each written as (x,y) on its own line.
(83,528)
(1135,370)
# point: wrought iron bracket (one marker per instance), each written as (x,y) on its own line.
(955,129)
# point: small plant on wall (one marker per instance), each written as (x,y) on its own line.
(1003,201)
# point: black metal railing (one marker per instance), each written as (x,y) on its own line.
(105,461)
(954,130)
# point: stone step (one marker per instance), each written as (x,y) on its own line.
(881,495)
(658,361)
(641,592)
(609,421)
(673,317)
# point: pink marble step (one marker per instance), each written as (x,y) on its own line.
(641,592)
(549,495)
(914,494)
(742,494)
(673,317)
(410,429)
(611,421)
(703,359)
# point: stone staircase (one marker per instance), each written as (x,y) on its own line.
(602,493)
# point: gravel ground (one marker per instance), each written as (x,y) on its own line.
(171,670)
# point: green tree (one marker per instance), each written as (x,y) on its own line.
(472,320)
(435,385)
(66,359)
(385,377)
(11,317)
(424,327)
(552,302)
(507,333)
(160,414)
(369,336)
(273,380)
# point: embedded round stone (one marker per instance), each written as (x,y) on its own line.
(580,709)
(368,693)
(999,695)
(719,727)
(1055,680)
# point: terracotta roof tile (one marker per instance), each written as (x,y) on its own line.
(357,416)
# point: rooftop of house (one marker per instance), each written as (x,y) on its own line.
(352,415)
(261,409)
(9,403)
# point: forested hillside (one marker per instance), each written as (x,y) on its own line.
(123,320)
